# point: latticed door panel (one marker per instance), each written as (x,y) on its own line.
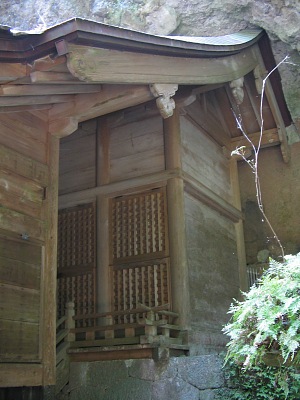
(146,284)
(139,226)
(77,258)
(139,252)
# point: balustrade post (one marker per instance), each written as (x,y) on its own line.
(70,323)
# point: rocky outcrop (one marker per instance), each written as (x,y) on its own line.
(280,18)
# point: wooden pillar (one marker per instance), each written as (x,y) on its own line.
(102,165)
(239,229)
(49,273)
(176,220)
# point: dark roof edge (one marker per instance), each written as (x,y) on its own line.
(28,46)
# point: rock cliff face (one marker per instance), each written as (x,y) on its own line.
(280,18)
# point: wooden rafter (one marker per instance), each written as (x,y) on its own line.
(112,66)
(47,89)
(275,111)
(270,137)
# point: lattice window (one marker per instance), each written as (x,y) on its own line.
(77,259)
(140,284)
(139,252)
(138,226)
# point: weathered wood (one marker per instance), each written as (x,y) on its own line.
(127,353)
(28,134)
(78,160)
(207,122)
(19,301)
(269,137)
(176,222)
(22,224)
(20,194)
(62,127)
(100,65)
(48,326)
(111,98)
(199,191)
(203,159)
(11,71)
(239,229)
(53,77)
(23,165)
(12,375)
(19,341)
(285,150)
(18,109)
(103,282)
(105,342)
(9,101)
(127,186)
(47,89)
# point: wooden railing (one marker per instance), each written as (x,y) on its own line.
(63,339)
(255,272)
(154,325)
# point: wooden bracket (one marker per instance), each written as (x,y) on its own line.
(164,102)
(237,89)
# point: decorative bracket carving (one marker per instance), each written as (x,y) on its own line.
(164,102)
(237,89)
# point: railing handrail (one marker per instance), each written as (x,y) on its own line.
(163,310)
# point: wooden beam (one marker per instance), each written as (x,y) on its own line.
(62,127)
(208,197)
(111,98)
(35,107)
(239,229)
(49,272)
(112,66)
(52,77)
(13,101)
(12,375)
(270,137)
(48,89)
(128,186)
(285,150)
(176,222)
(48,63)
(10,72)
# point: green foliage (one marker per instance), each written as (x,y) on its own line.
(268,320)
(261,382)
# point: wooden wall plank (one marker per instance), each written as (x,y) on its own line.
(136,148)
(204,160)
(23,165)
(78,160)
(21,224)
(23,345)
(21,194)
(20,375)
(18,134)
(19,273)
(19,302)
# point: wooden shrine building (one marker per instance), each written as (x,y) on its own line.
(118,191)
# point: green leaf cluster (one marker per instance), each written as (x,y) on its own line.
(268,319)
(267,322)
(260,382)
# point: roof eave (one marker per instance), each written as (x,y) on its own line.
(28,46)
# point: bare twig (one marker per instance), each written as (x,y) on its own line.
(253,164)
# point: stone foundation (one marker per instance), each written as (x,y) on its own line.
(183,378)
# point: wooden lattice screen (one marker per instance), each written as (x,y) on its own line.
(77,258)
(139,251)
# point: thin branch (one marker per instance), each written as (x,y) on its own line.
(253,164)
